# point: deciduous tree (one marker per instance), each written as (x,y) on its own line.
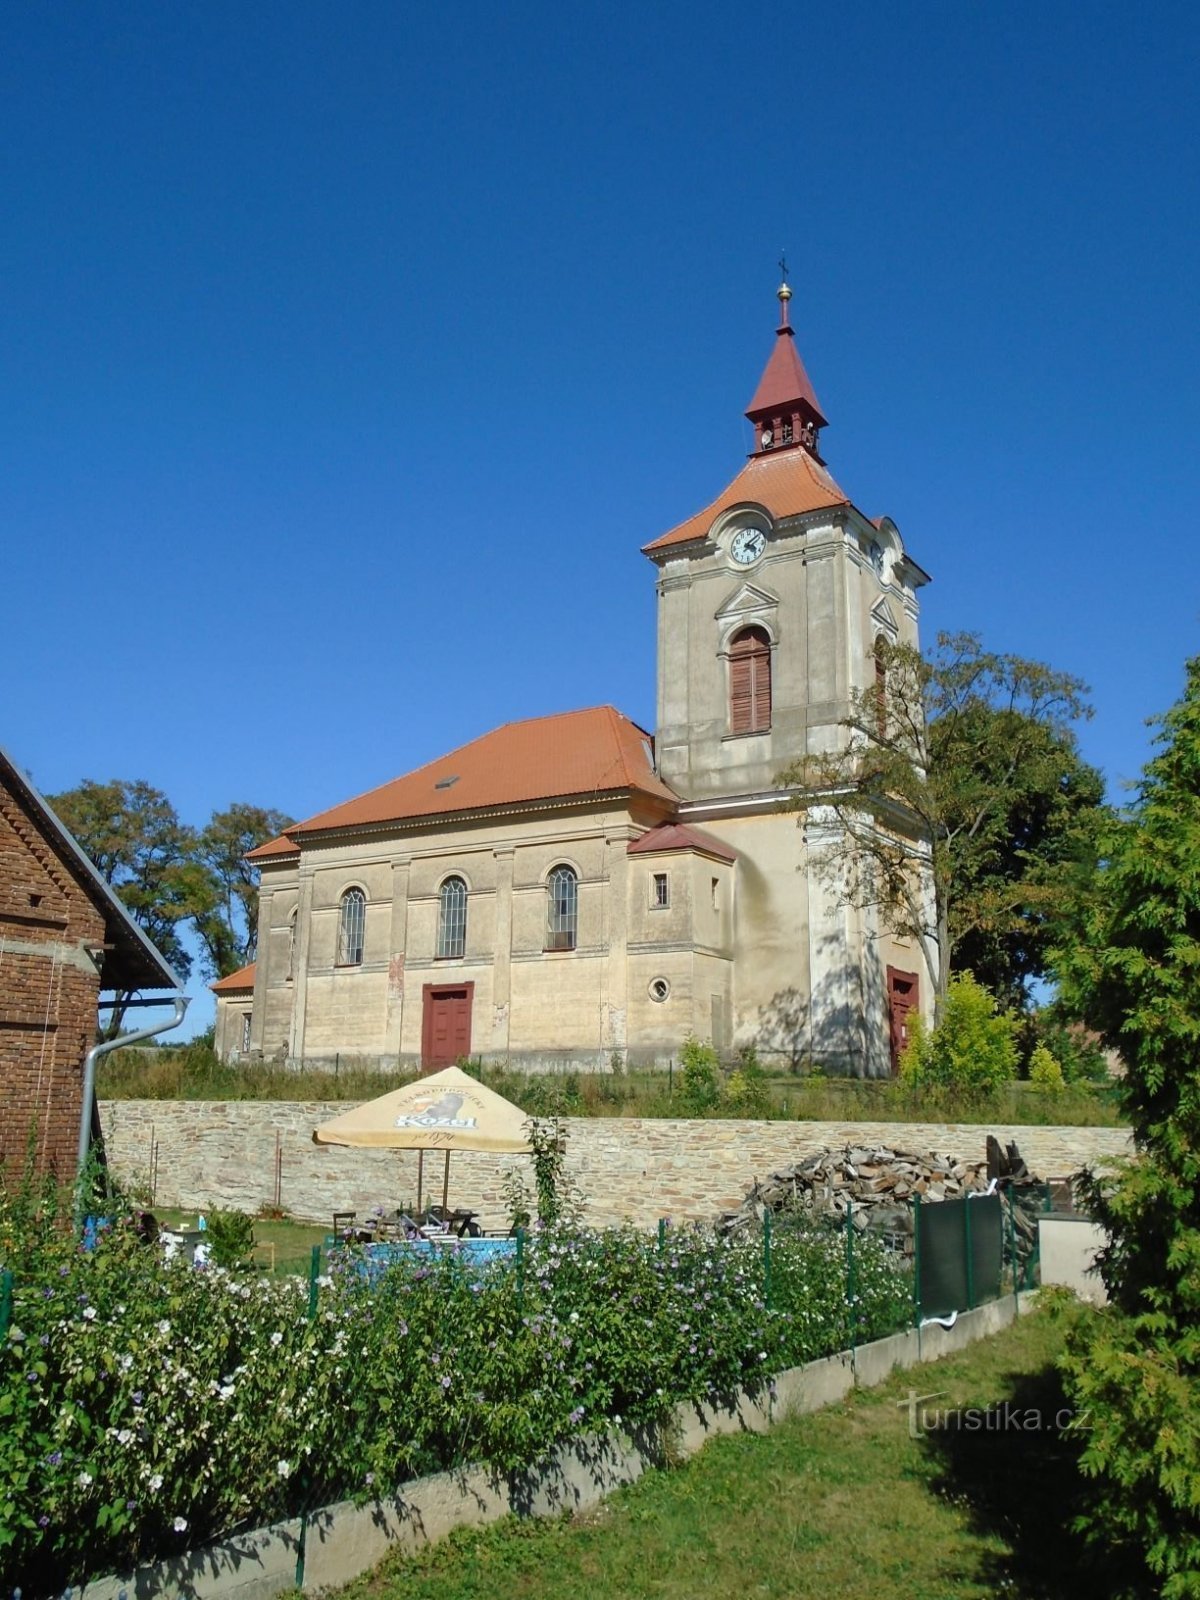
(960,806)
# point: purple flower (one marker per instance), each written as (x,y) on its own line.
(43,1521)
(54,1458)
(445,1383)
(137,1397)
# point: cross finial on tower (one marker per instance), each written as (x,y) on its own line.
(784,293)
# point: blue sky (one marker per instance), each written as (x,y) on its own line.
(353,351)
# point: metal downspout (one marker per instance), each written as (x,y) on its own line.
(180,1002)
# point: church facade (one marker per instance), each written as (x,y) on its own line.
(573,889)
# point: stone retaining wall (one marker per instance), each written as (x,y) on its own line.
(223,1153)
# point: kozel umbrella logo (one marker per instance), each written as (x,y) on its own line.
(441,1113)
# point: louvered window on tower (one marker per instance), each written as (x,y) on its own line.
(350,928)
(750,682)
(562,888)
(452,919)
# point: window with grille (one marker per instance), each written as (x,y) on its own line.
(750,682)
(881,686)
(245,1032)
(351,924)
(291,961)
(562,906)
(660,891)
(452,919)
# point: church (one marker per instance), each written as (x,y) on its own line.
(575,890)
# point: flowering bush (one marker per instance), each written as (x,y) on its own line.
(146,1407)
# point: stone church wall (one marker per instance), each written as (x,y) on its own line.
(222,1153)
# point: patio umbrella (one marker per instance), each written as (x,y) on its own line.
(448,1110)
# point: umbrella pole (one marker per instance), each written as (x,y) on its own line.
(446,1189)
(420,1178)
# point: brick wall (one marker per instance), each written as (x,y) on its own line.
(223,1153)
(48,992)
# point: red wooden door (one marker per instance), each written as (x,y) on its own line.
(446,1024)
(904,994)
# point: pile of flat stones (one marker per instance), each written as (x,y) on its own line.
(876,1185)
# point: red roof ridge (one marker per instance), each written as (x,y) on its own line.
(668,836)
(237,981)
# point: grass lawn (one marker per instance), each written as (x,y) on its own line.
(841,1505)
(279,1246)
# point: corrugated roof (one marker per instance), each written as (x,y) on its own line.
(238,982)
(784,482)
(545,758)
(670,836)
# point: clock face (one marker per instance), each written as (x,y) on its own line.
(748,544)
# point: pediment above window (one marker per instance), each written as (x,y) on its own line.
(747,603)
(884,619)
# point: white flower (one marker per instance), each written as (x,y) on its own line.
(155,1482)
(225,1391)
(277,1338)
(126,1363)
(84,1480)
(89,1313)
(125,1436)
(283,1468)
(164,1326)
(180,1524)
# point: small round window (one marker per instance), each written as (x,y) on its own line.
(660,988)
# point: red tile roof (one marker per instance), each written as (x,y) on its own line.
(588,752)
(680,836)
(239,982)
(282,846)
(784,482)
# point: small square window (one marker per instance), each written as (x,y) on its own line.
(660,891)
(716,885)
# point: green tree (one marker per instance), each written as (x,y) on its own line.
(132,834)
(226,918)
(960,807)
(1132,970)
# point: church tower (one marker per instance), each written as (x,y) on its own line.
(772,603)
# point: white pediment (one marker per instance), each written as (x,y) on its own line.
(747,601)
(884,619)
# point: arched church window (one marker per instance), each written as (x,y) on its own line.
(562,908)
(351,926)
(452,919)
(881,650)
(750,682)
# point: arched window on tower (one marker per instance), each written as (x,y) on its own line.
(562,908)
(351,926)
(750,681)
(881,655)
(452,919)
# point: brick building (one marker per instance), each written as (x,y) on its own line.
(64,937)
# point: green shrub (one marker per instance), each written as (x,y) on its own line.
(746,1093)
(147,1409)
(230,1238)
(701,1087)
(972,1048)
(1044,1071)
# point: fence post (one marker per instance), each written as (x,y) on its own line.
(967,1252)
(1012,1250)
(767,1259)
(520,1265)
(916,1215)
(850,1305)
(662,1234)
(6,1298)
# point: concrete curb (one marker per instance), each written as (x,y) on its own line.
(342,1541)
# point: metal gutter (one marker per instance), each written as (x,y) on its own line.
(180,1003)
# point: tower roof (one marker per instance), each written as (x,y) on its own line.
(785,385)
